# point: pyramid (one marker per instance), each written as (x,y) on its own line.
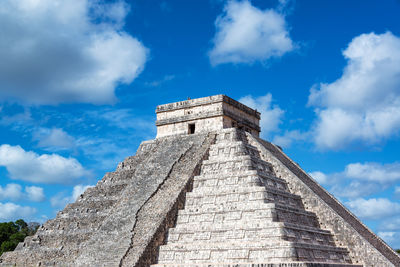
(206,192)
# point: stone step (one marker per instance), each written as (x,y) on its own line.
(252,210)
(55,240)
(224,190)
(234,193)
(227,136)
(89,221)
(118,176)
(31,258)
(104,192)
(257,264)
(296,216)
(253,224)
(261,250)
(84,207)
(239,251)
(234,165)
(246,178)
(244,207)
(241,230)
(246,160)
(296,234)
(233,149)
(273,181)
(273,235)
(227,207)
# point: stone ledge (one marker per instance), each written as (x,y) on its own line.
(207,100)
(209,114)
(288,264)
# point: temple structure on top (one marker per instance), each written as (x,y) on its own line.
(206,114)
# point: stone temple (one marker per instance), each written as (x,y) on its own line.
(206,192)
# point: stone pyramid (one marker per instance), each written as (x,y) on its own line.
(240,211)
(206,192)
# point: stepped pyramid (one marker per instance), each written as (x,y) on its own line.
(240,212)
(206,192)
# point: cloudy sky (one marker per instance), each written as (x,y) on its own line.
(80,80)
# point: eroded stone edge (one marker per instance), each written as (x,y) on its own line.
(359,250)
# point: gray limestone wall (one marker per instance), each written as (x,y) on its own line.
(121,220)
(364,246)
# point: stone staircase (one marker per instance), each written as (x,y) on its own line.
(240,214)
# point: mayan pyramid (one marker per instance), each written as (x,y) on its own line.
(206,192)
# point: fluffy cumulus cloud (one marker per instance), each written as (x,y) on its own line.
(363,105)
(360,179)
(389,230)
(57,51)
(60,200)
(271,115)
(34,193)
(289,137)
(14,192)
(245,34)
(45,168)
(10,211)
(354,189)
(53,139)
(370,171)
(373,208)
(11,191)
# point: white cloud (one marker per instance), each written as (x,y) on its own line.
(389,230)
(355,189)
(289,137)
(125,119)
(360,179)
(320,177)
(16,119)
(60,200)
(382,173)
(56,51)
(11,191)
(53,139)
(45,168)
(363,105)
(271,115)
(245,34)
(397,191)
(157,83)
(373,208)
(14,192)
(10,212)
(392,224)
(392,238)
(35,193)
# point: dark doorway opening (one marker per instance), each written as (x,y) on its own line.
(191,128)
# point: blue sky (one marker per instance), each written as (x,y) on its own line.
(80,80)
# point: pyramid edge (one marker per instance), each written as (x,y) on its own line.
(347,216)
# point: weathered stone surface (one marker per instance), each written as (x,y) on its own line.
(121,220)
(205,114)
(364,246)
(255,221)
